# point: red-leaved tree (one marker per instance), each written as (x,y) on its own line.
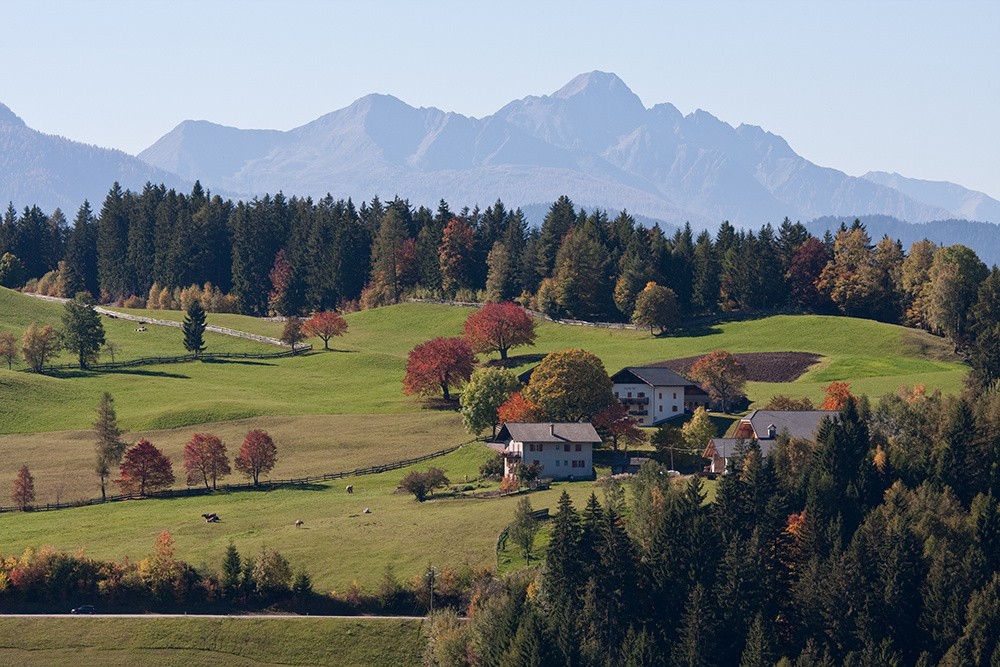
(497,327)
(257,456)
(24,489)
(145,469)
(519,409)
(325,326)
(439,363)
(205,459)
(838,394)
(619,424)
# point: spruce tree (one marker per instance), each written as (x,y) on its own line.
(109,445)
(194,328)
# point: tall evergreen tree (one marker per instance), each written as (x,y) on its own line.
(194,328)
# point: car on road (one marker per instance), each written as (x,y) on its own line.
(84,609)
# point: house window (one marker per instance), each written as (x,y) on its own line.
(675,408)
(566,463)
(582,464)
(642,394)
(579,448)
(661,408)
(661,394)
(641,420)
(630,395)
(557,463)
(575,464)
(536,462)
(675,394)
(566,447)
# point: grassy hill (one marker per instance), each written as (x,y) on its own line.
(363,374)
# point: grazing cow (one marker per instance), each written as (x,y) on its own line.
(367,511)
(298,523)
(211,517)
(350,488)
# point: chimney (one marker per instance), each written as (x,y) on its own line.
(552,429)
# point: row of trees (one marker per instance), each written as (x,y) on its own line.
(294,255)
(45,578)
(875,544)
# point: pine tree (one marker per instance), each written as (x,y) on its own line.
(232,570)
(194,328)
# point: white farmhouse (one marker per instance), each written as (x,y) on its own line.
(655,394)
(564,450)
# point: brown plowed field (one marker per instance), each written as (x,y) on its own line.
(761,366)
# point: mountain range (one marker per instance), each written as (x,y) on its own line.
(593,140)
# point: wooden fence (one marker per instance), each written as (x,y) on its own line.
(146,361)
(249,486)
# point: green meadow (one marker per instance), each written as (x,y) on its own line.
(213,642)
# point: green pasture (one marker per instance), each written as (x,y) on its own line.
(209,642)
(62,462)
(338,544)
(362,374)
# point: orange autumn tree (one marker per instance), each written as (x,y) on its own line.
(145,469)
(838,394)
(519,409)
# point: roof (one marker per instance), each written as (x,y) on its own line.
(654,376)
(548,432)
(726,447)
(800,423)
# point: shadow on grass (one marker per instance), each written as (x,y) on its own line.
(242,362)
(693,331)
(334,349)
(70,374)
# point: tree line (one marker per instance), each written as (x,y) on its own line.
(291,256)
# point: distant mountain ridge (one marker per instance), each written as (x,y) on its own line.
(52,172)
(592,140)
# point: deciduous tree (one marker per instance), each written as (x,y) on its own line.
(8,348)
(570,386)
(82,332)
(439,363)
(656,306)
(698,430)
(205,460)
(325,325)
(422,484)
(257,456)
(498,327)
(456,253)
(838,394)
(109,443)
(616,423)
(194,328)
(518,409)
(721,375)
(23,493)
(488,389)
(523,528)
(292,334)
(39,345)
(145,469)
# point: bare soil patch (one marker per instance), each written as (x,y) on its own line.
(761,366)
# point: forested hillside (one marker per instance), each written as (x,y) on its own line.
(289,256)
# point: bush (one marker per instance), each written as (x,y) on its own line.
(422,484)
(492,469)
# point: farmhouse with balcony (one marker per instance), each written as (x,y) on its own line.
(655,394)
(765,426)
(564,450)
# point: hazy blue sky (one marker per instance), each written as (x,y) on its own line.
(905,86)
